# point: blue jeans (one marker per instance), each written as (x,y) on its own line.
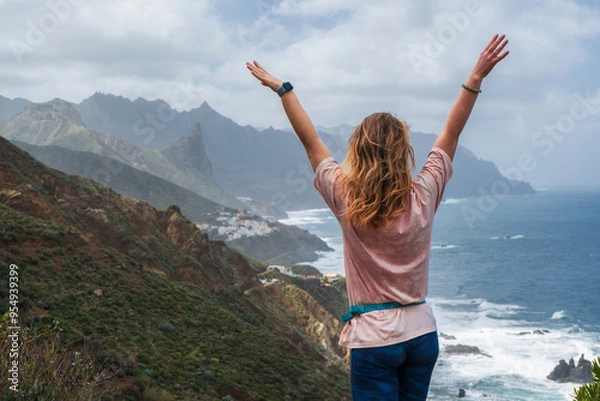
(397,372)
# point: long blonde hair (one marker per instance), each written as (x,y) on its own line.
(378,170)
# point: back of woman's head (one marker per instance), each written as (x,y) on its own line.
(378,171)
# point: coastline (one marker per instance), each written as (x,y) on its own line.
(524,327)
(328,262)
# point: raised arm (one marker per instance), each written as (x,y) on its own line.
(303,127)
(460,112)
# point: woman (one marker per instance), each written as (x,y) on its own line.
(386,218)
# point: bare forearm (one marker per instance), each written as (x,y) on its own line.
(304,129)
(460,112)
(301,123)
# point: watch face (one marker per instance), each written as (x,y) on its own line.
(286,86)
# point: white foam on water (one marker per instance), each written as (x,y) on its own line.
(559,315)
(452,201)
(518,355)
(518,236)
(328,262)
(443,246)
(307,217)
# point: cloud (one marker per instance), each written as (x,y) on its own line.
(314,8)
(346,58)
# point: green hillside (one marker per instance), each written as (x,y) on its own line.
(285,244)
(157,309)
(124,179)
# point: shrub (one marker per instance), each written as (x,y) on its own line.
(590,391)
(76,373)
(166,327)
(157,394)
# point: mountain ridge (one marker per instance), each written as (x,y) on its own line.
(122,178)
(189,154)
(58,123)
(284,244)
(10,107)
(236,150)
(268,166)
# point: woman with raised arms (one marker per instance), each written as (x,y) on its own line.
(386,218)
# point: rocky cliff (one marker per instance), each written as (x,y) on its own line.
(189,154)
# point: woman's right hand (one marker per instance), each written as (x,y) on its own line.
(489,57)
(263,76)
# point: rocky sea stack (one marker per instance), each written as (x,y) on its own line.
(569,373)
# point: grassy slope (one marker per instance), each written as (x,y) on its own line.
(176,309)
(287,245)
(124,179)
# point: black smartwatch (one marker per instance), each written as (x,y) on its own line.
(284,88)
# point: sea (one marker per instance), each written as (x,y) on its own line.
(517,276)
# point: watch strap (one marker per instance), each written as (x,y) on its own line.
(284,88)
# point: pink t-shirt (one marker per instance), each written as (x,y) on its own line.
(390,264)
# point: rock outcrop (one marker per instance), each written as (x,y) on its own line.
(464,349)
(569,373)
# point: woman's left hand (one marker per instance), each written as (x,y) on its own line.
(263,76)
(490,56)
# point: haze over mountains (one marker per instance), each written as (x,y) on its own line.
(54,133)
(208,153)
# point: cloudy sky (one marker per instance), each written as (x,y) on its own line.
(538,117)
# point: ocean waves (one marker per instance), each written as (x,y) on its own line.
(309,217)
(518,236)
(514,357)
(443,246)
(507,290)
